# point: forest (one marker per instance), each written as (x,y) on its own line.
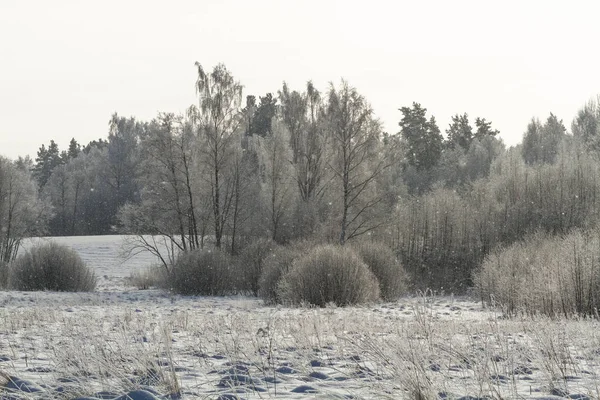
(311,164)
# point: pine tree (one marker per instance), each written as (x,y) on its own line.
(460,133)
(422,136)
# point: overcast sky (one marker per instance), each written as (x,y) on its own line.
(66,66)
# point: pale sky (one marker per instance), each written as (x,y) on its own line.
(67,65)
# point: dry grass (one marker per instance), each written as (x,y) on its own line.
(414,349)
(150,277)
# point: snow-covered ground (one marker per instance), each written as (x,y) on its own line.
(148,344)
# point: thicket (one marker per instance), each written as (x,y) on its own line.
(51,267)
(544,274)
(442,237)
(311,165)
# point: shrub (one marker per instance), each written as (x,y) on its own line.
(443,236)
(329,274)
(51,267)
(386,267)
(251,261)
(275,266)
(544,274)
(203,272)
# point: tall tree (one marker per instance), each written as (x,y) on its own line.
(293,113)
(278,180)
(47,159)
(484,129)
(22,213)
(302,114)
(99,144)
(541,142)
(57,190)
(263,117)
(74,149)
(121,162)
(586,125)
(244,196)
(422,136)
(170,205)
(460,133)
(249,112)
(218,119)
(355,161)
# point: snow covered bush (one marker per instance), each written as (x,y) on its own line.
(203,272)
(275,266)
(52,267)
(251,262)
(382,261)
(329,274)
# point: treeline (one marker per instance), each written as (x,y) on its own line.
(87,185)
(312,164)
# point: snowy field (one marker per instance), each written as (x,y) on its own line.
(146,344)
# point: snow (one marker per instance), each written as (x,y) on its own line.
(120,339)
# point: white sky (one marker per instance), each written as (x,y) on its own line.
(66,66)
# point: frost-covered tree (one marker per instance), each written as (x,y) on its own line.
(22,213)
(302,115)
(541,141)
(218,120)
(171,202)
(355,160)
(278,186)
(586,125)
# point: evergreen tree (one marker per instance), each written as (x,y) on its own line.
(541,142)
(422,136)
(47,159)
(74,149)
(460,133)
(484,129)
(99,144)
(249,112)
(263,117)
(586,125)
